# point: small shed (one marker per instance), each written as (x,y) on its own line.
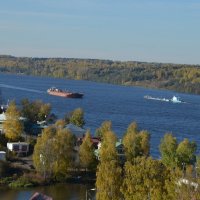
(18,147)
(3,155)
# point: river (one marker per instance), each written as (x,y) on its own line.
(120,104)
(57,192)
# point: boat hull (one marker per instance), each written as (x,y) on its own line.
(65,94)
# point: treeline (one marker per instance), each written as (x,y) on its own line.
(178,77)
(174,176)
(139,176)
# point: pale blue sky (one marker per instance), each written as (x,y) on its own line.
(142,30)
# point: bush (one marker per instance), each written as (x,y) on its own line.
(27,180)
(6,180)
(22,181)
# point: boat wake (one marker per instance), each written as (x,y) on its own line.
(20,88)
(174,99)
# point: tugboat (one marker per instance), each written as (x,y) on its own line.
(62,93)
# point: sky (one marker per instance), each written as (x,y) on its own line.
(121,30)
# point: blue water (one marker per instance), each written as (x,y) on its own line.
(63,191)
(120,104)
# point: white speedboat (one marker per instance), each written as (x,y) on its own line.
(175,99)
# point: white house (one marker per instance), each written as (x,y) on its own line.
(120,151)
(3,155)
(2,119)
(18,147)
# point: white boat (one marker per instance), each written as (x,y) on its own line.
(175,100)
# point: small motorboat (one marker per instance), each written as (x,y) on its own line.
(175,99)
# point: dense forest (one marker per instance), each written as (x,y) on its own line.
(178,77)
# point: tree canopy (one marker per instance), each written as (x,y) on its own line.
(12,126)
(36,110)
(109,172)
(86,152)
(176,154)
(136,143)
(53,152)
(77,117)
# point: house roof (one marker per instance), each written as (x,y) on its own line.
(119,143)
(13,143)
(75,129)
(94,140)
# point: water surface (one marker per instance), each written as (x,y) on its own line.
(120,104)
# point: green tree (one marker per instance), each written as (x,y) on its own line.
(136,143)
(35,110)
(186,152)
(54,152)
(107,150)
(86,153)
(44,110)
(108,181)
(64,156)
(109,173)
(12,126)
(44,152)
(146,179)
(60,123)
(77,117)
(105,127)
(145,142)
(168,148)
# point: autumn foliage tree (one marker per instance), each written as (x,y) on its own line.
(44,152)
(176,155)
(12,126)
(109,172)
(36,110)
(168,148)
(86,153)
(106,126)
(77,117)
(147,179)
(64,153)
(136,143)
(186,152)
(53,152)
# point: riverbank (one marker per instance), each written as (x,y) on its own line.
(177,77)
(22,175)
(59,191)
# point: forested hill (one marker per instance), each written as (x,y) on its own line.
(178,77)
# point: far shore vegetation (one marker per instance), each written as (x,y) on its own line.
(177,77)
(55,158)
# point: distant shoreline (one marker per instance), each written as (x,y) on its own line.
(176,77)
